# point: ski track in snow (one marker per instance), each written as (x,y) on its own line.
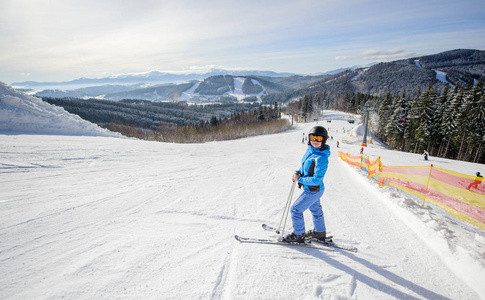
(108,218)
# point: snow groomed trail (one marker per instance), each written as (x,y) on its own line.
(108,218)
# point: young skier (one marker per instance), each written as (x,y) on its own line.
(314,165)
(476,182)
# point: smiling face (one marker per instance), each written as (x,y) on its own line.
(316,141)
(316,144)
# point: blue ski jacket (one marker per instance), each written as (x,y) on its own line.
(314,164)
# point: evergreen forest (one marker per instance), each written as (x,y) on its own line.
(449,124)
(177,121)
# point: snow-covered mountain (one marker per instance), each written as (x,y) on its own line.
(151,77)
(410,75)
(210,89)
(21,113)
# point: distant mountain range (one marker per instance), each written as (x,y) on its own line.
(449,68)
(154,86)
(229,87)
(152,77)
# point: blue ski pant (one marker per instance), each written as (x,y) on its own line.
(308,200)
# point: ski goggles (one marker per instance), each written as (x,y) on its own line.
(316,138)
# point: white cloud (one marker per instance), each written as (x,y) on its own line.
(378,55)
(386,55)
(345,57)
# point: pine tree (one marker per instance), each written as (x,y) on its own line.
(397,122)
(472,123)
(451,110)
(412,125)
(427,127)
(307,107)
(443,104)
(480,119)
(384,114)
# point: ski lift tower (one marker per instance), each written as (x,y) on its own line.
(366,109)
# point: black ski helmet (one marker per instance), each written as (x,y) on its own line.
(319,131)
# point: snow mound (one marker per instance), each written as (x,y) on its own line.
(356,135)
(21,113)
(358,130)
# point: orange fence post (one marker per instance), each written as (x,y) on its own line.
(427,184)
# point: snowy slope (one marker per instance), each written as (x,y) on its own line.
(239,94)
(21,113)
(190,94)
(108,218)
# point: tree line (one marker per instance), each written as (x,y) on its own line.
(145,114)
(309,107)
(256,121)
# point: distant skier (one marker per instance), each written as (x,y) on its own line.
(314,164)
(338,144)
(426,155)
(476,182)
(362,150)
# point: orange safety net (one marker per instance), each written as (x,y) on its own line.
(350,159)
(461,195)
(370,167)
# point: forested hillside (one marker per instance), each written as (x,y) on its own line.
(146,114)
(178,121)
(216,85)
(447,69)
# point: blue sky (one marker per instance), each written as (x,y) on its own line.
(60,40)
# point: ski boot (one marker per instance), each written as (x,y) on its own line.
(293,238)
(312,234)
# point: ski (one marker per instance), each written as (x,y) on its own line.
(270,228)
(336,245)
(328,241)
(276,242)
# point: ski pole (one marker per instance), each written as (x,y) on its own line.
(286,211)
(288,205)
